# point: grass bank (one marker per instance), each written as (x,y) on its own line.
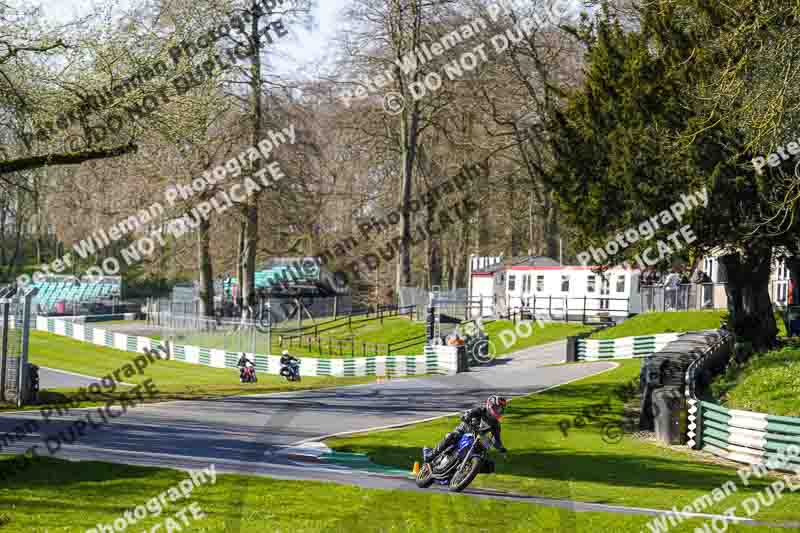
(70,497)
(174,380)
(352,337)
(578,463)
(667,322)
(766,383)
(551,332)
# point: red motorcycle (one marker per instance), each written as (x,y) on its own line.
(247,371)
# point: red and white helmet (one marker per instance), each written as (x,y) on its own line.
(496,405)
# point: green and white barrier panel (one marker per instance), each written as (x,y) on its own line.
(741,436)
(624,348)
(434,360)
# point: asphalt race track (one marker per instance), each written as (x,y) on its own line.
(256,434)
(254,429)
(50,378)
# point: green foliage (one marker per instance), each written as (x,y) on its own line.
(637,134)
(766,383)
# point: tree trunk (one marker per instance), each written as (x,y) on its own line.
(511,237)
(462,256)
(434,263)
(38,214)
(409,133)
(206,268)
(248,280)
(240,264)
(12,266)
(3,213)
(553,233)
(406,40)
(749,305)
(484,210)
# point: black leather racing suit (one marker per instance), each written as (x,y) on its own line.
(469,421)
(288,360)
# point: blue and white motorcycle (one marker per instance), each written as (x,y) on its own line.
(458,465)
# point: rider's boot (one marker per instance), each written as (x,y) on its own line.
(442,446)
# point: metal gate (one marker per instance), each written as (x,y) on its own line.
(15,313)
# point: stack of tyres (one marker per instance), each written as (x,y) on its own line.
(662,384)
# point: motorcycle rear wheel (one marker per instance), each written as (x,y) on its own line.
(424,477)
(464,475)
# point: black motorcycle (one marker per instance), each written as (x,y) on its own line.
(458,465)
(290,369)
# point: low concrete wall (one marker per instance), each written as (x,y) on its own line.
(623,348)
(434,360)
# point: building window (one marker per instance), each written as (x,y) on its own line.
(539,283)
(564,283)
(512,282)
(590,283)
(526,283)
(621,283)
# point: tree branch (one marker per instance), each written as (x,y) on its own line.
(75,158)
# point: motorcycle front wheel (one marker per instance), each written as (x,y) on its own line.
(424,477)
(465,474)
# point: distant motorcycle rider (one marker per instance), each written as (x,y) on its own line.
(490,414)
(243,364)
(287,359)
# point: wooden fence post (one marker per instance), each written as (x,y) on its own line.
(584,309)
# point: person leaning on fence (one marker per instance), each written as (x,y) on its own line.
(701,277)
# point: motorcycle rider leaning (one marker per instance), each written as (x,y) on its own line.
(490,413)
(287,359)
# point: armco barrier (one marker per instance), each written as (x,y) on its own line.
(741,436)
(664,382)
(434,360)
(623,348)
(733,434)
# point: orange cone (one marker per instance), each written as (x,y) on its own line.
(415,471)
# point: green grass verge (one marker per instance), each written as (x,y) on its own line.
(101,323)
(352,335)
(766,383)
(392,330)
(579,465)
(70,497)
(174,379)
(540,335)
(667,322)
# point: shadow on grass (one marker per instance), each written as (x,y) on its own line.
(49,472)
(556,464)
